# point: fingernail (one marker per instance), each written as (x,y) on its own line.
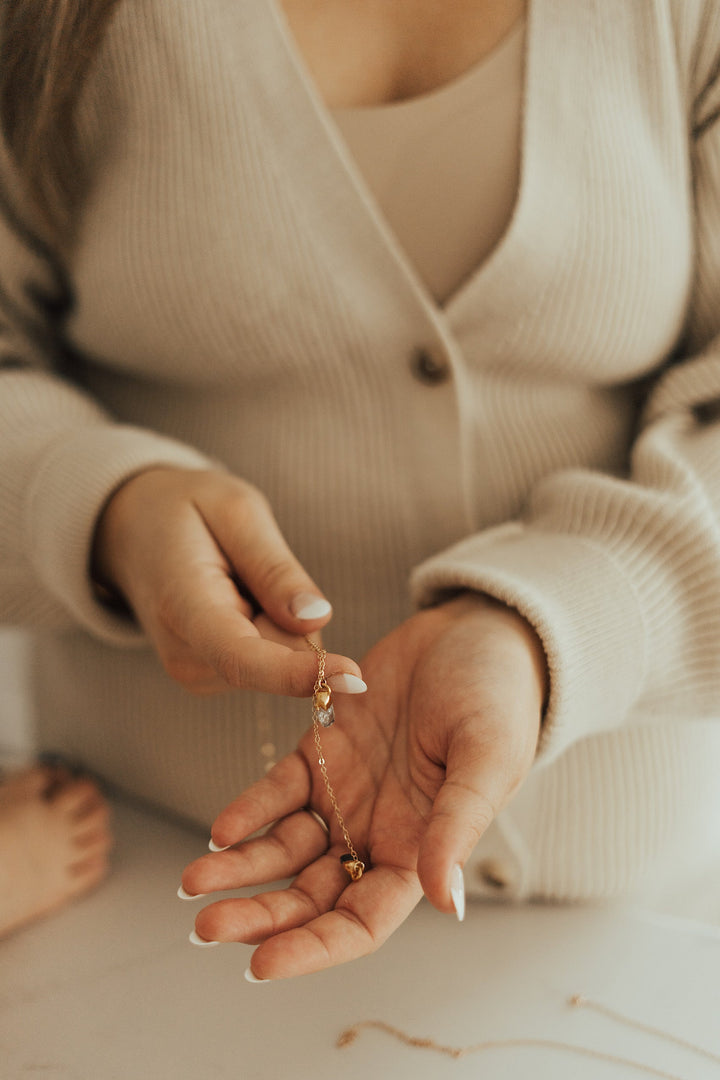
(457,891)
(347,684)
(309,606)
(216,847)
(189,896)
(253,978)
(195,938)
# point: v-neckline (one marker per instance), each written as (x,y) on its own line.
(346,162)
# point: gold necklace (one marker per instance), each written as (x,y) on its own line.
(350,1034)
(323,714)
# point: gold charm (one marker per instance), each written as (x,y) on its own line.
(353,866)
(322,698)
(324,716)
(323,710)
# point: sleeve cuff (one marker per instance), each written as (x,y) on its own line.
(69,491)
(580,604)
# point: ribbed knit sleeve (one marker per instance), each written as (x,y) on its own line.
(620,576)
(61,455)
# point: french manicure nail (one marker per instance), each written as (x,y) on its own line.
(195,938)
(253,978)
(189,896)
(216,847)
(309,606)
(457,891)
(347,684)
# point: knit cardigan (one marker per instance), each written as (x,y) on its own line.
(548,435)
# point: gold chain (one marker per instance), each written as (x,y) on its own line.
(321,654)
(579,1001)
(576,1001)
(322,700)
(349,1036)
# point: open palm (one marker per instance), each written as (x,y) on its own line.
(420,765)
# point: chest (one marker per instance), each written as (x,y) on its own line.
(249,223)
(374,52)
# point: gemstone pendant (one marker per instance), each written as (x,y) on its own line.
(326,717)
(353,866)
(323,710)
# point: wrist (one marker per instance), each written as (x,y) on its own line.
(102,574)
(469,602)
(109,540)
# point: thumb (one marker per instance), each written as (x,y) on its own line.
(474,790)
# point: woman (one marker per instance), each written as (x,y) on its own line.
(501,393)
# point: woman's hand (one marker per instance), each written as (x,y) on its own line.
(195,554)
(420,766)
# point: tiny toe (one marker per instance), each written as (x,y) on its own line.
(26,783)
(90,844)
(78,797)
(91,871)
(92,819)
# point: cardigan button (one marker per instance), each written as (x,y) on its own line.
(428,368)
(494,874)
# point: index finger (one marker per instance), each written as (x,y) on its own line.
(211,618)
(249,662)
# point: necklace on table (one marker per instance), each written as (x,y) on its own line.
(577,1001)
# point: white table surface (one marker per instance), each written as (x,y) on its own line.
(111,988)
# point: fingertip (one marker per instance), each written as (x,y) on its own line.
(457,890)
(310,607)
(195,939)
(183,894)
(252,978)
(346,683)
(217,847)
(435,869)
(441,898)
(344,674)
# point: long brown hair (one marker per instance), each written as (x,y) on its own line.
(46,48)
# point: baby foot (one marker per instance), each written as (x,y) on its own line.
(54,843)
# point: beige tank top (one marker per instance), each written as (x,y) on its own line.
(444,166)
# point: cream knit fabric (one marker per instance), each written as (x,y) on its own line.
(235,296)
(443,166)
